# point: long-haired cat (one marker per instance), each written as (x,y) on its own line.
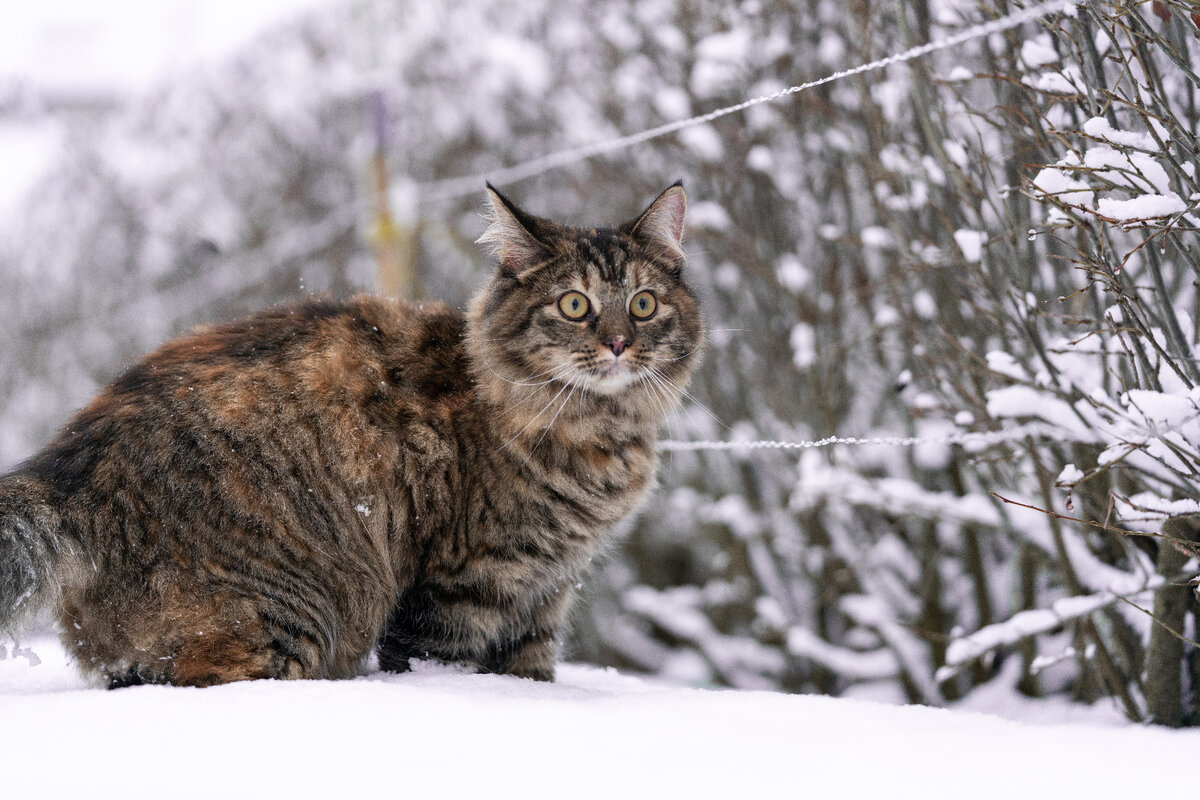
(277,496)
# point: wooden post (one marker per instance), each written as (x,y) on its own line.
(394,241)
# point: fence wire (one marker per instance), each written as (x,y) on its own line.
(451,188)
(969,438)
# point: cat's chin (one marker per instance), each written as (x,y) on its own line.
(614,380)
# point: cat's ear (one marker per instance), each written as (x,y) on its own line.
(660,227)
(510,237)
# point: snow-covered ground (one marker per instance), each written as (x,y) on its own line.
(441,732)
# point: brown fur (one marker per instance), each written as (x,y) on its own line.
(275,497)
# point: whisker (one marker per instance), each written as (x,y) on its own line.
(560,372)
(672,400)
(679,358)
(550,424)
(535,416)
(683,392)
(530,381)
(656,399)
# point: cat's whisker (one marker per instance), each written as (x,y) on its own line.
(711,333)
(572,383)
(681,357)
(671,400)
(581,396)
(559,375)
(684,393)
(530,381)
(539,414)
(653,395)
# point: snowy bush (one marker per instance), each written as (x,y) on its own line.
(999,233)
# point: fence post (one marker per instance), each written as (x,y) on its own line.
(393,240)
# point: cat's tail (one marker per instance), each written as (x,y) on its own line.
(32,548)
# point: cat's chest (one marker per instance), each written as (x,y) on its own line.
(567,502)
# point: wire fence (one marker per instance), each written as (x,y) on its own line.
(452,188)
(966,438)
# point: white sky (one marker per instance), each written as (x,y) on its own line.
(77,48)
(80,45)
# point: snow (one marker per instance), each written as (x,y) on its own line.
(877,238)
(1038,51)
(760,159)
(441,732)
(707,214)
(867,666)
(1003,363)
(924,304)
(1023,401)
(77,46)
(1148,506)
(1066,82)
(1069,476)
(1147,206)
(803,342)
(1101,129)
(779,638)
(970,243)
(77,51)
(792,274)
(719,62)
(26,149)
(1061,185)
(704,141)
(1132,170)
(1023,624)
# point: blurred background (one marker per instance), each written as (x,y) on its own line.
(999,232)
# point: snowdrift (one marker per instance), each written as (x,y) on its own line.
(439,731)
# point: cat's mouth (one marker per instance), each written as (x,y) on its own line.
(611,376)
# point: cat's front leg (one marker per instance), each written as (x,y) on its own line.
(533,653)
(532,657)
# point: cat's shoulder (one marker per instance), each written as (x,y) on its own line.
(318,323)
(326,342)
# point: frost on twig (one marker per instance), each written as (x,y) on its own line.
(1023,624)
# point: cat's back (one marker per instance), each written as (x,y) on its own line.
(317,391)
(365,351)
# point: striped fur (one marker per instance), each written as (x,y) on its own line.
(275,497)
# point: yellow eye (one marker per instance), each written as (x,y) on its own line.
(643,305)
(574,305)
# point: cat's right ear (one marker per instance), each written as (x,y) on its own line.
(660,227)
(510,237)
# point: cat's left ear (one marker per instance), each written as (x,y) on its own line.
(660,227)
(511,236)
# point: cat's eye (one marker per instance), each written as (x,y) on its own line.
(643,305)
(574,305)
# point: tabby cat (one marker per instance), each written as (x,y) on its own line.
(277,496)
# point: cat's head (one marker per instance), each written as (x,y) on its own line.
(602,311)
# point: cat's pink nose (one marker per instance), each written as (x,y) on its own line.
(617,345)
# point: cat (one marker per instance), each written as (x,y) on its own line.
(279,496)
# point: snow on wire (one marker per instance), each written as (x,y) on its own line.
(976,438)
(450,188)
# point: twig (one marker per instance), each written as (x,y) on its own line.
(1102,526)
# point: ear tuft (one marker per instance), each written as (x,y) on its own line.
(660,227)
(508,238)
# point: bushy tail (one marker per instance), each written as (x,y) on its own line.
(31,548)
